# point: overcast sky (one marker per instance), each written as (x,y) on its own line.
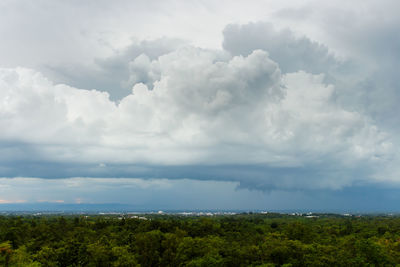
(201,104)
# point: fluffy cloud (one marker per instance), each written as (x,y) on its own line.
(368,38)
(192,113)
(117,73)
(291,51)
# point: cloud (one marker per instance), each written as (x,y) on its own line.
(5,201)
(293,52)
(297,99)
(22,193)
(194,113)
(117,73)
(367,37)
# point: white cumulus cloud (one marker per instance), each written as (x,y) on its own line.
(193,107)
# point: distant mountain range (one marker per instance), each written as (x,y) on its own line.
(68,207)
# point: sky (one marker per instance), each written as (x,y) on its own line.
(269,105)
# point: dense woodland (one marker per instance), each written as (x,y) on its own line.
(166,240)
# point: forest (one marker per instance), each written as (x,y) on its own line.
(224,240)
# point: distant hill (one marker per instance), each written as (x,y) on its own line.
(67,207)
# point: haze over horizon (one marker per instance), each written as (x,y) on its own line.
(201,104)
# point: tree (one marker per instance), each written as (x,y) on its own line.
(5,252)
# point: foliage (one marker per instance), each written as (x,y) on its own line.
(165,240)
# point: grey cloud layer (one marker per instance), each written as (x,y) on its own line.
(293,53)
(193,113)
(366,32)
(117,73)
